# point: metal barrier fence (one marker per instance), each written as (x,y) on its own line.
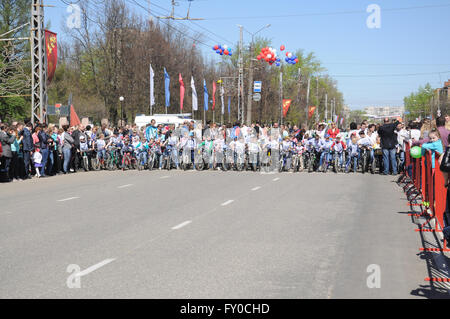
(425,188)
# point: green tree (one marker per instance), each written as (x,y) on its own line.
(418,103)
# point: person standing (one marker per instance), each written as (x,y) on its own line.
(443,132)
(27,146)
(388,138)
(6,140)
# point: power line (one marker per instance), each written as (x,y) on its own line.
(385,75)
(329,13)
(194,23)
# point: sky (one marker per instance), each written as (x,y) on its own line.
(372,66)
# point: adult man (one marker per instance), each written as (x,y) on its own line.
(27,143)
(388,138)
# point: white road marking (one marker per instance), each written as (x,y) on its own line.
(275,179)
(227,202)
(256,188)
(127,185)
(95,267)
(182,224)
(164,177)
(66,199)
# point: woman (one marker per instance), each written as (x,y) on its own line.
(14,174)
(68,143)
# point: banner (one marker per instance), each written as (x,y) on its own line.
(229,105)
(342,120)
(51,47)
(336,117)
(205,95)
(286,105)
(194,95)
(311,111)
(181,92)
(152,87)
(214,96)
(167,87)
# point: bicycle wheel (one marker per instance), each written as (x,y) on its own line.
(85,163)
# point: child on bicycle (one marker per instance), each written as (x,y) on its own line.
(353,153)
(338,148)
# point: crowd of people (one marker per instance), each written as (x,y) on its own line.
(45,150)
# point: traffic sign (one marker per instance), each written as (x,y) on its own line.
(256,97)
(257,85)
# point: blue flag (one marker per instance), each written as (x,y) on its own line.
(229,104)
(167,86)
(205,95)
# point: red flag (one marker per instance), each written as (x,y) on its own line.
(311,111)
(214,96)
(181,92)
(51,47)
(286,105)
(74,120)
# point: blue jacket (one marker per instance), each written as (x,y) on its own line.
(27,140)
(150,132)
(433,147)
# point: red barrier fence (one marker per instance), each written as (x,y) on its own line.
(427,185)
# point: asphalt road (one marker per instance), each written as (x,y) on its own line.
(209,235)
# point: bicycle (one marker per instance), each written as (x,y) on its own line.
(112,160)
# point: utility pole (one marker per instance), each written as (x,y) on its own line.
(317,96)
(241,76)
(326,107)
(250,86)
(307,99)
(38,62)
(281,95)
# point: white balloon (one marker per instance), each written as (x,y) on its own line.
(225,46)
(269,56)
(290,55)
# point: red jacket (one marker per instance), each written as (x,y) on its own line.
(333,134)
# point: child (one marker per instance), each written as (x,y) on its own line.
(37,158)
(353,153)
(435,145)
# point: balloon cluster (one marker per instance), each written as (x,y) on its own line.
(291,58)
(270,56)
(222,49)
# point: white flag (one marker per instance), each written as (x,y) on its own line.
(222,92)
(152,87)
(194,96)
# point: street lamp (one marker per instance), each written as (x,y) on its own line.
(121,99)
(250,78)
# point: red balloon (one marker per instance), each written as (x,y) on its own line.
(216,47)
(282,48)
(296,60)
(259,57)
(226,52)
(287,53)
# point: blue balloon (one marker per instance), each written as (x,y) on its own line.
(230,54)
(221,53)
(218,51)
(278,64)
(287,60)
